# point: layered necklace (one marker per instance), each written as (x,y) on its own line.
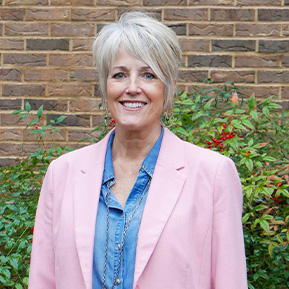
(121,246)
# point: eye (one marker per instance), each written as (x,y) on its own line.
(118,75)
(148,75)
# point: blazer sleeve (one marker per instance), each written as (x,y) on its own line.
(228,252)
(42,268)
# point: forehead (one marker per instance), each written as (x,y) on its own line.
(123,58)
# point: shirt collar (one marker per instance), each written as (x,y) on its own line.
(148,164)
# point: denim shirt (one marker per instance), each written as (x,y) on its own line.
(118,219)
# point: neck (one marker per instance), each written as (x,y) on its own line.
(134,145)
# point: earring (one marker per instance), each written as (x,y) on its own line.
(166,119)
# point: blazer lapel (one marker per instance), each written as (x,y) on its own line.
(86,197)
(165,189)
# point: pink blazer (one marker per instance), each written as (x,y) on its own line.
(190,235)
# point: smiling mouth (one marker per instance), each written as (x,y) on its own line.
(133,104)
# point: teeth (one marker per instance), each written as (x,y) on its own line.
(133,104)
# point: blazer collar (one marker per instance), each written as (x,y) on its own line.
(167,181)
(86,197)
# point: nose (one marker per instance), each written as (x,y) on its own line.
(133,86)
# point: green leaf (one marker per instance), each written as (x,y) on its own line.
(254,115)
(247,123)
(266,112)
(27,107)
(182,131)
(61,118)
(249,164)
(270,249)
(18,111)
(280,240)
(265,225)
(40,111)
(18,286)
(34,121)
(25,281)
(252,102)
(260,207)
(14,263)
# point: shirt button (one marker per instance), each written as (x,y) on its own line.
(118,246)
(117,281)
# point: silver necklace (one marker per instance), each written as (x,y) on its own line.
(115,280)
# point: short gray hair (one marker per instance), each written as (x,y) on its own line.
(146,39)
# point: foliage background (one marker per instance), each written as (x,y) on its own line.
(254,134)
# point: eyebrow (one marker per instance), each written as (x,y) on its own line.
(125,67)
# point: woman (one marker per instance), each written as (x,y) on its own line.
(141,208)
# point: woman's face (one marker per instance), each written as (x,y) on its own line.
(135,94)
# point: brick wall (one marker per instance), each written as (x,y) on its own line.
(45,56)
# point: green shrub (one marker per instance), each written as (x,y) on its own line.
(253,133)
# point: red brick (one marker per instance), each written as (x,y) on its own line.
(163,3)
(45,74)
(201,45)
(83,75)
(97,119)
(220,76)
(27,29)
(192,75)
(211,2)
(48,104)
(23,90)
(260,2)
(9,134)
(118,2)
(22,149)
(232,14)
(8,161)
(47,14)
(191,14)
(285,60)
(273,76)
(73,2)
(82,44)
(253,30)
(82,120)
(215,29)
(11,44)
(155,12)
(84,104)
(12,14)
(284,105)
(87,29)
(10,104)
(285,29)
(9,74)
(69,89)
(259,91)
(26,2)
(285,92)
(9,120)
(86,14)
(257,60)
(71,60)
(76,135)
(24,59)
